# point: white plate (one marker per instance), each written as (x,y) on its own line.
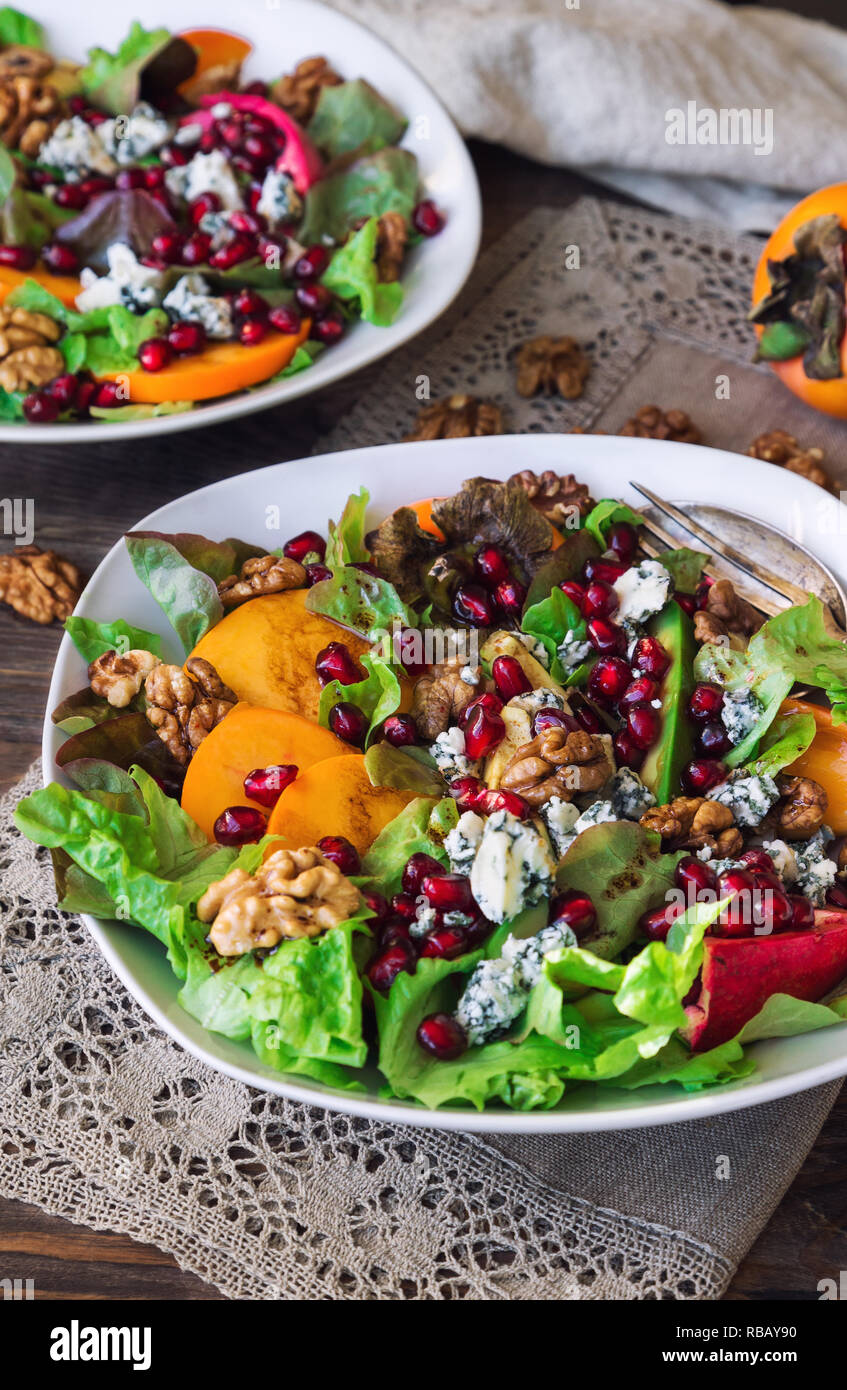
(281,35)
(396,474)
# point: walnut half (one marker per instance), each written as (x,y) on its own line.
(456,417)
(440,696)
(39,584)
(183,711)
(558,763)
(294,894)
(694,822)
(118,676)
(558,497)
(727,616)
(266,574)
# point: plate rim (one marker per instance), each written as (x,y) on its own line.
(736,1096)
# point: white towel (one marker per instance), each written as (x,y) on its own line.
(590,84)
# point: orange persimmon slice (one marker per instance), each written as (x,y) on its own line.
(215,48)
(335,797)
(825,760)
(65,287)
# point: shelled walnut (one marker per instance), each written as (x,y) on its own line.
(456,417)
(183,710)
(557,497)
(39,584)
(781,448)
(119,676)
(440,696)
(552,364)
(29,109)
(294,894)
(650,422)
(298,91)
(694,822)
(266,574)
(26,355)
(558,763)
(726,616)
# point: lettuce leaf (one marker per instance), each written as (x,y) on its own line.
(103,340)
(182,572)
(126,414)
(112,81)
(549,621)
(92,639)
(353,116)
(603,516)
(685,567)
(786,740)
(378,695)
(620,866)
(386,181)
(352,275)
(408,769)
(346,537)
(361,601)
(407,834)
(18,28)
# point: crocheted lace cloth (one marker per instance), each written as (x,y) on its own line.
(105,1120)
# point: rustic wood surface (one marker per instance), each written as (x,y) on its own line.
(85,498)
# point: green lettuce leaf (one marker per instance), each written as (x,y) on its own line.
(407,834)
(786,740)
(386,181)
(352,275)
(12,404)
(603,516)
(103,340)
(549,621)
(126,414)
(407,769)
(182,572)
(378,695)
(361,601)
(783,1016)
(112,81)
(18,28)
(92,639)
(303,357)
(620,866)
(353,116)
(346,537)
(685,567)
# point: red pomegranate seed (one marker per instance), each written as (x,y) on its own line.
(587,718)
(59,259)
(736,919)
(154,176)
(168,247)
(85,393)
(304,543)
(643,725)
(40,408)
(483,732)
(154,354)
(17,257)
(657,923)
(474,605)
(694,876)
(316,573)
(284,318)
(640,692)
(575,592)
(773,910)
(445,944)
(63,390)
(702,774)
(347,721)
(509,677)
(127,179)
(259,148)
(442,1036)
(196,250)
(575,909)
(255,89)
(400,730)
(427,219)
(404,905)
(395,932)
(335,663)
(252,331)
(701,593)
(757,860)
(467,792)
(606,570)
(271,249)
(247,222)
(606,637)
(384,969)
(622,538)
(250,304)
(235,251)
(487,700)
(266,784)
(687,602)
(231,130)
(600,600)
(377,904)
(187,338)
(510,597)
(239,825)
(339,851)
(705,703)
(489,802)
(713,740)
(609,678)
(627,751)
(449,892)
(802,912)
(491,566)
(312,263)
(554,719)
(206,203)
(329,328)
(71,196)
(76,105)
(315,300)
(651,658)
(417,868)
(155,263)
(836,896)
(107,395)
(209,140)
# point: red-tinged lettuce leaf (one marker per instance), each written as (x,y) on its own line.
(354,116)
(130,216)
(565,562)
(124,741)
(376,183)
(84,709)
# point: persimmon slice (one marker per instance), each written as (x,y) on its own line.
(335,797)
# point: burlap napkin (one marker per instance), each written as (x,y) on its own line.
(106,1121)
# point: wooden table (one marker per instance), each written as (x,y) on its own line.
(85,497)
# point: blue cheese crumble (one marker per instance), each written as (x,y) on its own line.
(572,651)
(206,173)
(748,798)
(279,200)
(497,991)
(513,867)
(543,697)
(642,591)
(740,714)
(130,138)
(462,842)
(559,818)
(535,648)
(629,796)
(191,301)
(448,750)
(816,872)
(75,148)
(128,282)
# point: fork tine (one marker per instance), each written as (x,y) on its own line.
(763,605)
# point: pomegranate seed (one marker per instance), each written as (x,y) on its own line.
(255,89)
(702,774)
(271,249)
(316,573)
(701,593)
(606,637)
(186,338)
(417,868)
(773,910)
(705,703)
(488,802)
(483,732)
(445,944)
(395,932)
(766,879)
(70,196)
(335,663)
(209,140)
(554,719)
(473,605)
(196,250)
(487,700)
(339,851)
(449,892)
(404,905)
(400,730)
(312,263)
(802,912)
(41,408)
(59,259)
(575,592)
(384,969)
(247,222)
(236,251)
(509,677)
(714,740)
(692,874)
(168,247)
(206,203)
(127,179)
(39,178)
(651,658)
(609,678)
(427,219)
(627,751)
(239,825)
(736,919)
(640,692)
(600,600)
(260,149)
(250,304)
(266,784)
(93,117)
(154,177)
(303,544)
(313,299)
(587,718)
(510,596)
(442,1036)
(76,105)
(347,721)
(85,393)
(657,923)
(173,156)
(154,354)
(17,257)
(575,910)
(231,130)
(687,602)
(154,262)
(643,725)
(836,896)
(106,395)
(329,328)
(284,318)
(622,538)
(467,792)
(252,331)
(606,570)
(63,390)
(757,859)
(491,566)
(377,904)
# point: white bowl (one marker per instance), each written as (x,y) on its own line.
(396,474)
(282,35)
